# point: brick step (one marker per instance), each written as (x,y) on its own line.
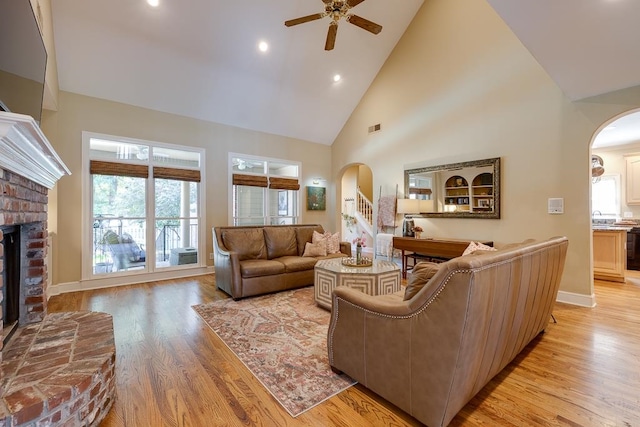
(60,371)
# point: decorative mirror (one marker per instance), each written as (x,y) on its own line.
(457,190)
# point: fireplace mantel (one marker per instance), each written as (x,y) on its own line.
(25,150)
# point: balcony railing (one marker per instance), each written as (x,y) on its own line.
(120,246)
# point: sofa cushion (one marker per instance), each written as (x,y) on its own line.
(280,241)
(296,263)
(247,242)
(420,276)
(333,241)
(477,246)
(315,249)
(304,235)
(260,267)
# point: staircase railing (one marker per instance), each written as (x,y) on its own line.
(365,207)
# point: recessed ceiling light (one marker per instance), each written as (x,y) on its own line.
(337,78)
(263,46)
(154,3)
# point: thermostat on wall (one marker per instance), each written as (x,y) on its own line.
(556,206)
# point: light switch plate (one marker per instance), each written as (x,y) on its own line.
(556,206)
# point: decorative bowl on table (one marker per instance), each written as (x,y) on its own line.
(353,262)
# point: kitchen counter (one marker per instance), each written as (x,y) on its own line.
(611,227)
(610,252)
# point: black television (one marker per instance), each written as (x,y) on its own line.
(23,59)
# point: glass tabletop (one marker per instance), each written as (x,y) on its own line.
(378,266)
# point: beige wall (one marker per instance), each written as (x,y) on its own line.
(460,86)
(365,181)
(78,113)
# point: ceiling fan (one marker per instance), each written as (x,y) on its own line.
(337,9)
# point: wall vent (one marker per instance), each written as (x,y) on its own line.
(374,128)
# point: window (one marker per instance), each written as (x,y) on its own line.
(145,206)
(264,191)
(605,196)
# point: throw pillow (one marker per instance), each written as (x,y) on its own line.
(420,276)
(315,249)
(475,246)
(333,241)
(317,237)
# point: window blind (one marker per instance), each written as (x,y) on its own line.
(284,184)
(177,174)
(250,180)
(97,167)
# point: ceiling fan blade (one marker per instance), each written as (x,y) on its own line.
(365,24)
(331,36)
(353,3)
(327,1)
(304,19)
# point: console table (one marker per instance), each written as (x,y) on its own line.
(437,248)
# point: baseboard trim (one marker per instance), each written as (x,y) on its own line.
(576,299)
(111,282)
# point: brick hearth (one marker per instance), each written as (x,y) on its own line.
(60,371)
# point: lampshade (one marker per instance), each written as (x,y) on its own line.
(426,206)
(408,206)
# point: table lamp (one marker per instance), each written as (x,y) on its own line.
(408,206)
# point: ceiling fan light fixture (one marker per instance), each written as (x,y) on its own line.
(337,78)
(263,46)
(153,3)
(336,10)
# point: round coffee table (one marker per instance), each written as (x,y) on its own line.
(383,277)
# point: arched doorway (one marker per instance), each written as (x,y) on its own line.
(356,192)
(615,150)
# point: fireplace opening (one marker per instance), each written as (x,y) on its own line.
(11,280)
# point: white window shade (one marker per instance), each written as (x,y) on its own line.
(605,196)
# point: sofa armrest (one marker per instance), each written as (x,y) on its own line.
(402,351)
(227,269)
(386,305)
(345,248)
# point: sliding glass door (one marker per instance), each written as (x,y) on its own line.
(145,206)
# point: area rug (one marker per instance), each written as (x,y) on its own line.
(282,339)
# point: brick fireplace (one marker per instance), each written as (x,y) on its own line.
(23,203)
(56,369)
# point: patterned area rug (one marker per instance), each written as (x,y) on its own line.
(282,339)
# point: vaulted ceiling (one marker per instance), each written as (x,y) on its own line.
(200,58)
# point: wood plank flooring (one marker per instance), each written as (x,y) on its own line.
(172,370)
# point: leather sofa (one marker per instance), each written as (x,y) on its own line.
(430,354)
(255,260)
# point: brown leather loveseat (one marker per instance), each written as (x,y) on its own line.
(430,354)
(255,260)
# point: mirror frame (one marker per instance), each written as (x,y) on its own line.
(495,214)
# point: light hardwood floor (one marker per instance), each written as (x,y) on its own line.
(172,370)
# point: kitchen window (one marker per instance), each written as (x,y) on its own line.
(605,196)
